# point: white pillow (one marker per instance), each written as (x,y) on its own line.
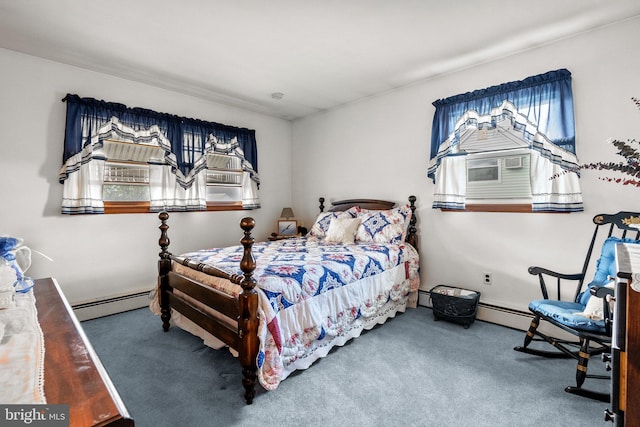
(321,225)
(342,230)
(594,309)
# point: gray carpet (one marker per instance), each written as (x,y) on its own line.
(412,371)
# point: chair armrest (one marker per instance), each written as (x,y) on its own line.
(541,272)
(606,294)
(601,291)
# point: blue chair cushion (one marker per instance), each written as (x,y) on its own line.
(562,312)
(605,266)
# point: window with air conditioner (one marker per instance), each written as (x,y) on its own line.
(122,160)
(499,177)
(507,148)
(224,179)
(125,182)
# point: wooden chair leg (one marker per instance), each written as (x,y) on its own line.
(531,331)
(581,375)
(562,351)
(583,360)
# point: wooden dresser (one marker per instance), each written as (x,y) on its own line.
(625,357)
(73,373)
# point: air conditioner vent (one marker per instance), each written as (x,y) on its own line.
(513,162)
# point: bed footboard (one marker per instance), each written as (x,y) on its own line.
(244,339)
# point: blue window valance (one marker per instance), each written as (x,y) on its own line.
(545,99)
(187,136)
(183,164)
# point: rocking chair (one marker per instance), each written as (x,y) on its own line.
(578,317)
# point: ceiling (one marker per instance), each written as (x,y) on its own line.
(318,54)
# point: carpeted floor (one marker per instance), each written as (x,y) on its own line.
(412,371)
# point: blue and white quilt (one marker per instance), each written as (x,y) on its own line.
(315,295)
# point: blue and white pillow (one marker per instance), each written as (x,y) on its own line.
(321,226)
(387,226)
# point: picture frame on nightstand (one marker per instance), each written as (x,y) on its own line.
(287,227)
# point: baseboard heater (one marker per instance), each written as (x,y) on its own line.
(112,305)
(503,316)
(490,313)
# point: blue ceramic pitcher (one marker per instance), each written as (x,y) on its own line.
(17,256)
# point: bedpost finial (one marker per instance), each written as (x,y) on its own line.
(248,262)
(247,223)
(164,237)
(321,200)
(412,237)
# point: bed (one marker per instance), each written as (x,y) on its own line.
(280,305)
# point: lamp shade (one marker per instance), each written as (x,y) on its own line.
(287,213)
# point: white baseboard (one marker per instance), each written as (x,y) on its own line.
(424,299)
(111,305)
(503,316)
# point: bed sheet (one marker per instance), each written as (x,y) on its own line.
(314,295)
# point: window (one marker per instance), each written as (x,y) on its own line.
(126,182)
(224,180)
(519,135)
(126,175)
(127,185)
(498,180)
(123,160)
(481,170)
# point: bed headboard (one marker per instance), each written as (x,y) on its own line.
(374,204)
(371,204)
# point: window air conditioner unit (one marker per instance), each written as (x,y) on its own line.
(513,163)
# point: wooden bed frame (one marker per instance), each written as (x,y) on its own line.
(244,308)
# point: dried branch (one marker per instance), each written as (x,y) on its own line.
(630,166)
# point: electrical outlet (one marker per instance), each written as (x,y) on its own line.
(486,278)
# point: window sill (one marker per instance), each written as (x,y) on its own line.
(236,206)
(509,208)
(145,207)
(498,208)
(126,207)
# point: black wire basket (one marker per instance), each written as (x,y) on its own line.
(454,304)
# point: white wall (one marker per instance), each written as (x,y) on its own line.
(378,148)
(98,256)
